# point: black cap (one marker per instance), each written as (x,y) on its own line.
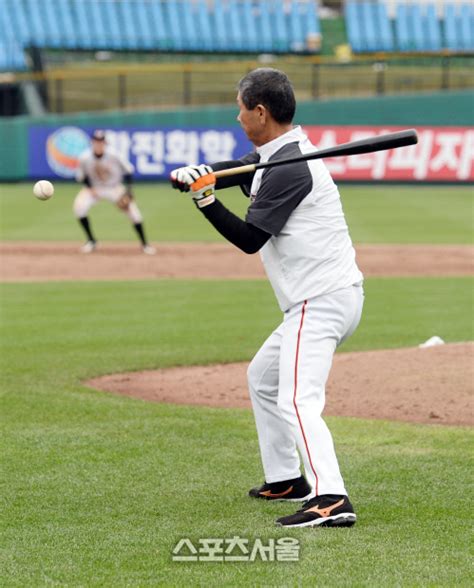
(98,135)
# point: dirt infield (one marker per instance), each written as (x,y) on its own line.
(431,385)
(32,262)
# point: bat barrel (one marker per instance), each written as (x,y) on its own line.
(369,145)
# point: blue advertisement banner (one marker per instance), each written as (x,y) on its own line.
(53,152)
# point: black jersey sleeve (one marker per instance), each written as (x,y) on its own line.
(282,189)
(240,233)
(242,180)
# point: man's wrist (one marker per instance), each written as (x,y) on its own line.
(206,200)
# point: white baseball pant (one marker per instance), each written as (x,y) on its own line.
(287,380)
(86,199)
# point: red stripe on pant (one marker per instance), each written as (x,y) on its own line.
(294,395)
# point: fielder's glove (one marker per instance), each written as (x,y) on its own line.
(124,201)
(197,179)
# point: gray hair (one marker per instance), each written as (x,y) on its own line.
(271,88)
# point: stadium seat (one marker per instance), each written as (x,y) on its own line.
(39,34)
(16,15)
(452,37)
(220,34)
(312,26)
(99,31)
(166,25)
(12,56)
(433,32)
(68,29)
(277,26)
(383,27)
(190,30)
(264,27)
(354,26)
(173,21)
(236,27)
(204,26)
(81,22)
(297,40)
(51,24)
(128,25)
(280,29)
(415,28)
(249,25)
(369,26)
(161,33)
(113,31)
(402,28)
(145,33)
(467,27)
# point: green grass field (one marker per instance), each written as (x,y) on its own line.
(98,489)
(376,214)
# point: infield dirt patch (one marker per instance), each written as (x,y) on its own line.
(33,262)
(430,385)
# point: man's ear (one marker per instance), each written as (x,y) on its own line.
(262,113)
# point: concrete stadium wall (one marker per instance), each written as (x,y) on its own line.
(441,109)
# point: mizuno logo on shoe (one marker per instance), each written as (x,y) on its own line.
(270,494)
(325,512)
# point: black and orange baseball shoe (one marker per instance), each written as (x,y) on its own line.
(296,490)
(328,510)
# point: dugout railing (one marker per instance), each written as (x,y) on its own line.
(121,86)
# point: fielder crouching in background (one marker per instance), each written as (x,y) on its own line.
(106,176)
(295,220)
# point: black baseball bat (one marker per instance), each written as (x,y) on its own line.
(371,145)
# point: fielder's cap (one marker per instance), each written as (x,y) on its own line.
(98,135)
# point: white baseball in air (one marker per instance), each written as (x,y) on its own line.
(43,190)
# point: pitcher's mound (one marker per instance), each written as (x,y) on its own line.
(431,385)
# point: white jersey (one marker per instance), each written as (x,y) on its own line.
(106,171)
(310,252)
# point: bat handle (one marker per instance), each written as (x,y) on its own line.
(234,171)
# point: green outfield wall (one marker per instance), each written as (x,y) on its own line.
(441,109)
